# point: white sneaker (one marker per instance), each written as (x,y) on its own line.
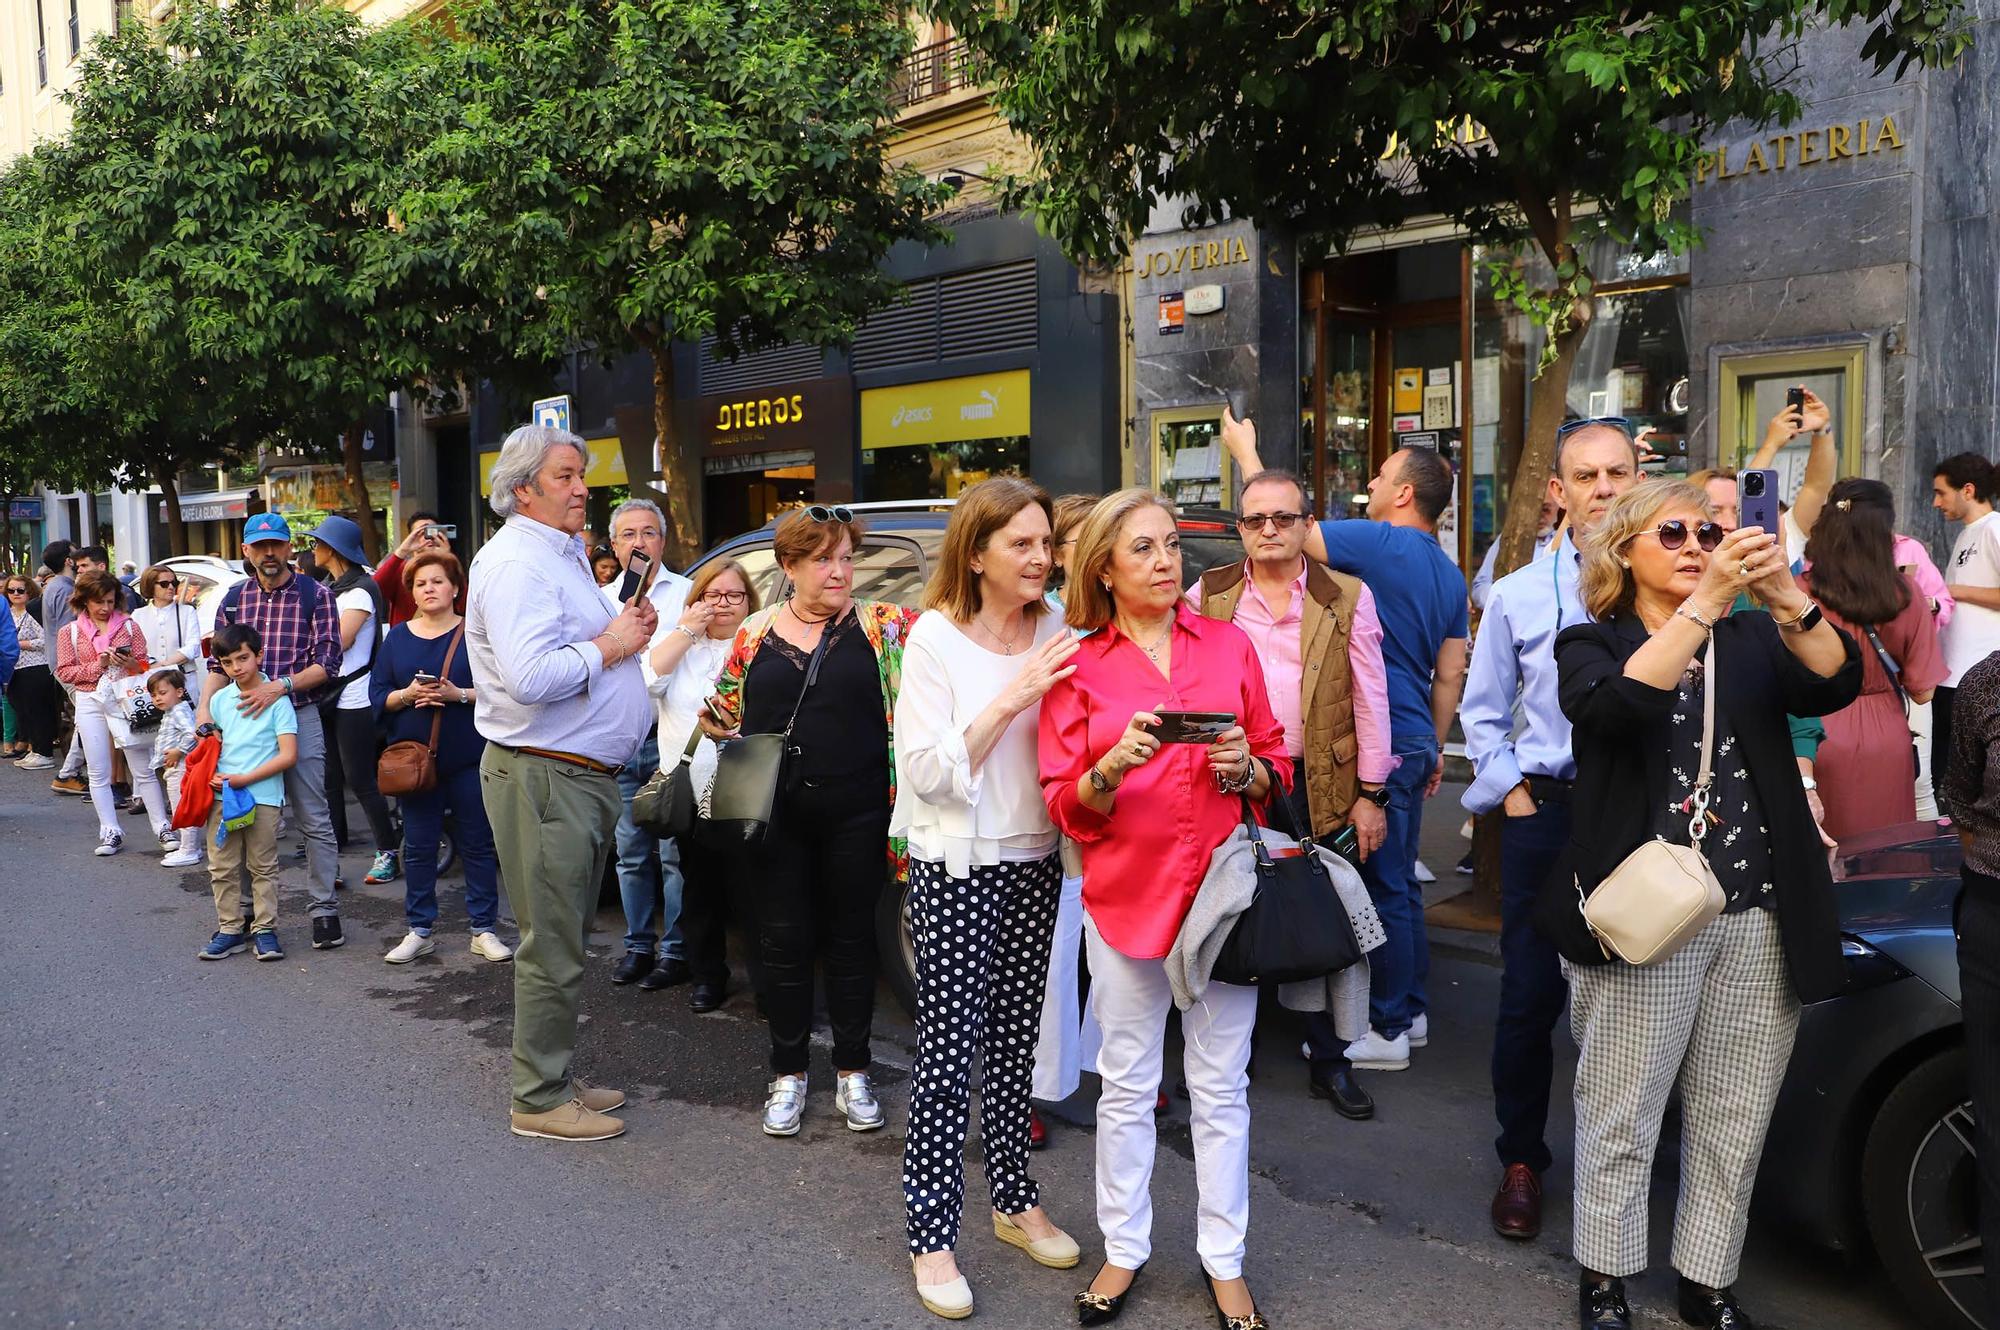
(412,946)
(491,947)
(1421,873)
(35,762)
(181,859)
(1373,1052)
(1420,1031)
(109,843)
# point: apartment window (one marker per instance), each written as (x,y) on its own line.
(41,48)
(75,31)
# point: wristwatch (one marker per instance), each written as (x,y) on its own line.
(1379,796)
(1099,782)
(1808,620)
(1808,782)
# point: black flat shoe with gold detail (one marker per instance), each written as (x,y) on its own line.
(1103,1308)
(1254,1321)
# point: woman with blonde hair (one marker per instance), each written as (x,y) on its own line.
(1717,1016)
(1148,816)
(984,875)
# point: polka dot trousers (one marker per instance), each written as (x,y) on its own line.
(982,962)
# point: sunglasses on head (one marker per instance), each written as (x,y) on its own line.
(820,512)
(1569,427)
(1674,533)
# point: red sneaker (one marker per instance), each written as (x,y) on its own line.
(1038,1131)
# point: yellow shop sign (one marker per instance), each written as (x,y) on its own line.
(607,465)
(977,406)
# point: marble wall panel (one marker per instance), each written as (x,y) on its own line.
(1831,230)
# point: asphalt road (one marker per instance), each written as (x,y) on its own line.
(323,1142)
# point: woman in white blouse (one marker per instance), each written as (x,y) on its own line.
(685,661)
(172,628)
(984,873)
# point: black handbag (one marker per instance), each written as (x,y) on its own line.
(1296,927)
(664,806)
(750,772)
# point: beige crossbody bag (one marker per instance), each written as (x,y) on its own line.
(1648,907)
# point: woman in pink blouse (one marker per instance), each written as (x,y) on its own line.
(103,641)
(1147,816)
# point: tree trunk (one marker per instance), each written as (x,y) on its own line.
(170,499)
(679,474)
(357,490)
(1546,407)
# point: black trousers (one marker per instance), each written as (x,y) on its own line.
(351,750)
(714,893)
(819,875)
(37,708)
(1979,997)
(1941,742)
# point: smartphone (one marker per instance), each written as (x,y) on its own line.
(422,676)
(636,569)
(1757,499)
(1192,727)
(715,712)
(442,533)
(1795,398)
(1239,403)
(1347,844)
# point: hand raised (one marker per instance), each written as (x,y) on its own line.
(1046,666)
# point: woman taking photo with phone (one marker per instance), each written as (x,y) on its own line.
(984,874)
(413,692)
(685,664)
(829,667)
(1148,817)
(1658,577)
(93,653)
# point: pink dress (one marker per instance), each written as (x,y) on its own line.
(1867,767)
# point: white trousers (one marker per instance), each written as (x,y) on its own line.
(1132,997)
(1059,1044)
(1920,735)
(94,730)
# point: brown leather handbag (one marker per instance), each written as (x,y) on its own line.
(406,766)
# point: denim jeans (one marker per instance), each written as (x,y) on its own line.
(423,817)
(649,870)
(1532,989)
(1399,968)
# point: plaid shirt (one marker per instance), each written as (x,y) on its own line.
(290,643)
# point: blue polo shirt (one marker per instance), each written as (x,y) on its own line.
(1420,597)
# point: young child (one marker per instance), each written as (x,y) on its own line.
(257,750)
(170,749)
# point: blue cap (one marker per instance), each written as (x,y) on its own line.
(266,526)
(342,536)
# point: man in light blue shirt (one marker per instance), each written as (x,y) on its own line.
(1527,770)
(563,705)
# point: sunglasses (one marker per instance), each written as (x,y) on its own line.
(1569,427)
(166,581)
(1674,534)
(820,512)
(1256,521)
(17,591)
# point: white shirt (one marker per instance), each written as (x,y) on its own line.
(530,619)
(171,632)
(1974,631)
(354,697)
(669,594)
(953,814)
(678,697)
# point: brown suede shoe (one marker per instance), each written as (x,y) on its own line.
(567,1122)
(1517,1206)
(595,1097)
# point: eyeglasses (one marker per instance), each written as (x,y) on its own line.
(1674,534)
(723,597)
(1256,521)
(1569,427)
(819,512)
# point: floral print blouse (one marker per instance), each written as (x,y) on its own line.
(1738,844)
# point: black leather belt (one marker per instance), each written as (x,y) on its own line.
(1549,790)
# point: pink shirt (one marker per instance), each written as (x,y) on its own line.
(1144,861)
(1280,642)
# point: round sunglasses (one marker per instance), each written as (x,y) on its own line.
(820,512)
(1673,534)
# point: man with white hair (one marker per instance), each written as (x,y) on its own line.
(563,706)
(649,870)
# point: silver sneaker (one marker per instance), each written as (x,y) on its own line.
(855,1096)
(786,1106)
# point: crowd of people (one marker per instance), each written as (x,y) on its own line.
(1078,762)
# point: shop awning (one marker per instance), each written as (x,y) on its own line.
(221,506)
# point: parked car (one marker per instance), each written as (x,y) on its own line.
(893,564)
(210,577)
(1871,1145)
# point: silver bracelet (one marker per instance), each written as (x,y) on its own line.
(1687,611)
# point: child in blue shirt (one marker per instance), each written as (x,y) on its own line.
(257,750)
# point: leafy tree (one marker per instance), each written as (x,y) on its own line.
(225,194)
(626,173)
(1332,115)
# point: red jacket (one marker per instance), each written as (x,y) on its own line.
(402,607)
(197,799)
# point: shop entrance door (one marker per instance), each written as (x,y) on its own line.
(742,493)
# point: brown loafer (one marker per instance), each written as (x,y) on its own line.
(1517,1206)
(566,1122)
(595,1097)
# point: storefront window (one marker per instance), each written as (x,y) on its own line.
(1753,389)
(1350,396)
(1192,471)
(931,440)
(939,471)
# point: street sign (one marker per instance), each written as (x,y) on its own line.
(553,412)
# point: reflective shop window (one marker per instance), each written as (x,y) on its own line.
(941,470)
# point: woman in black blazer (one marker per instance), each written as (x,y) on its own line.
(1718,1016)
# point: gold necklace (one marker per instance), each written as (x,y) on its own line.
(1006,643)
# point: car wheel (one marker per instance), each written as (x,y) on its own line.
(1920,1195)
(894,945)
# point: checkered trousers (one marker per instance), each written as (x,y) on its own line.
(1718,1016)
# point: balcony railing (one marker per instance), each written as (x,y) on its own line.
(938,70)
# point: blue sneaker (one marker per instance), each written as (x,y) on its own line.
(222,945)
(267,946)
